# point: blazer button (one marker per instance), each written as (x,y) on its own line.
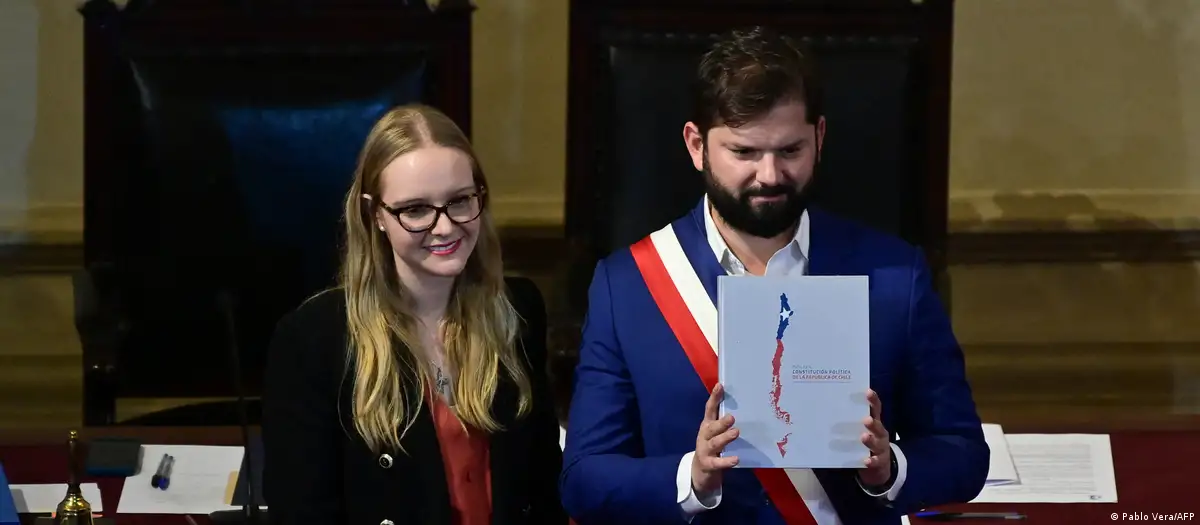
(385,461)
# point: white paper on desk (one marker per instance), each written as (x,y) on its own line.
(1057,468)
(200,480)
(1001,470)
(41,498)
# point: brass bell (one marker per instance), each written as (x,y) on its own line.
(74,509)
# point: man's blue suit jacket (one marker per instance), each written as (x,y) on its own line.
(638,402)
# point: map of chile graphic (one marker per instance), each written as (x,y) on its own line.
(785,313)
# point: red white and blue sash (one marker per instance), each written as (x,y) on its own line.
(691,312)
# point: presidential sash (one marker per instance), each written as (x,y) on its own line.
(691,314)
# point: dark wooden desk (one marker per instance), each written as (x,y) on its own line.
(1155,472)
(40,457)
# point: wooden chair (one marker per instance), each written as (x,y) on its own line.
(886,71)
(220,137)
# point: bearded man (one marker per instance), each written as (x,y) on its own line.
(644,437)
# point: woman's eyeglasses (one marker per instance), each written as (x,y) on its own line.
(420,218)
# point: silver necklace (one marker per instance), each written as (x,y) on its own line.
(441,382)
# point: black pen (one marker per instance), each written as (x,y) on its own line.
(156,479)
(954,516)
(166,477)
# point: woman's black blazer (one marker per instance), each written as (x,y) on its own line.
(319,471)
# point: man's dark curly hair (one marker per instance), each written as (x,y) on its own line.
(749,71)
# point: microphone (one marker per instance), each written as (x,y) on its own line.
(249,514)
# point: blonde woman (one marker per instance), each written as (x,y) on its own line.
(416,391)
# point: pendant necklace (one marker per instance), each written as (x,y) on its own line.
(441,382)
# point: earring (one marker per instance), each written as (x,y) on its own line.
(382,229)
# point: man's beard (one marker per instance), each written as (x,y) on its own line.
(765,220)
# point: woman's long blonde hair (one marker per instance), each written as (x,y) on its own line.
(480,327)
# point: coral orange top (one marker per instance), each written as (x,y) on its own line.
(468,466)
